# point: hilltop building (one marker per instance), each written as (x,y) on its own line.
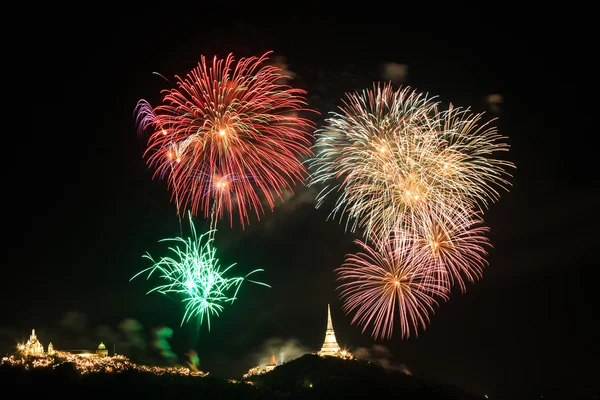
(330,346)
(259,371)
(272,364)
(101,350)
(33,347)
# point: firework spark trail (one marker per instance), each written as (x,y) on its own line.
(194,273)
(391,154)
(354,153)
(452,242)
(383,282)
(466,157)
(228,134)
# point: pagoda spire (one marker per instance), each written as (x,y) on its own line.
(330,346)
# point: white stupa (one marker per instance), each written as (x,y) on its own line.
(330,346)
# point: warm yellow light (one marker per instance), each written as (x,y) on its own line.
(222,132)
(164,132)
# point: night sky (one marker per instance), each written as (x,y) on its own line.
(81,207)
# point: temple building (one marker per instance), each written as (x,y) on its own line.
(330,346)
(50,349)
(259,371)
(33,347)
(101,350)
(272,364)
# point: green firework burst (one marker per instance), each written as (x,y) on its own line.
(194,273)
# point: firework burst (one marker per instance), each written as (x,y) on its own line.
(451,242)
(227,138)
(389,155)
(195,274)
(383,282)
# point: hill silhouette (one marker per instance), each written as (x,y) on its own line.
(314,377)
(307,377)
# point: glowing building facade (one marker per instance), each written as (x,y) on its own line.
(101,351)
(330,346)
(33,347)
(272,364)
(259,371)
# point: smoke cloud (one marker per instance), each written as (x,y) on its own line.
(494,102)
(281,62)
(381,355)
(290,202)
(132,329)
(396,73)
(294,200)
(193,360)
(162,345)
(73,321)
(107,334)
(283,350)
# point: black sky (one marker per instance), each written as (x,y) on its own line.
(81,206)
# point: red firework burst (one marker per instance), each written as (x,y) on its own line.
(228,137)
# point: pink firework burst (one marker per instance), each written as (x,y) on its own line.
(451,241)
(382,283)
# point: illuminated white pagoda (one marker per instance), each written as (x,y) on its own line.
(330,346)
(33,347)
